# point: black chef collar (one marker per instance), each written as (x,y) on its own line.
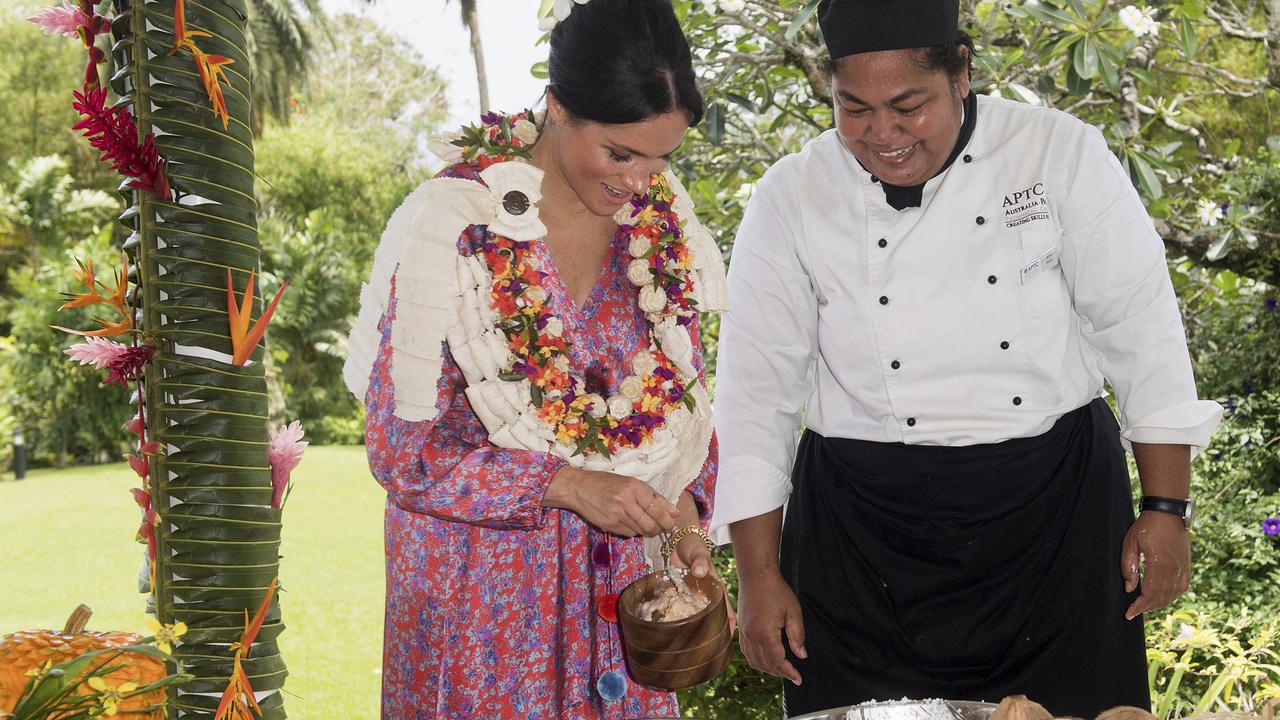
(901,198)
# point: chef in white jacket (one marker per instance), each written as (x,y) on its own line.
(936,292)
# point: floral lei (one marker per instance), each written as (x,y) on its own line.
(660,268)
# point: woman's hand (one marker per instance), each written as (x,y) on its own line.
(692,552)
(616,504)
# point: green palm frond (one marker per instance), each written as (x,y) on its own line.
(219,537)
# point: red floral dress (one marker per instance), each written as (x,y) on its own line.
(490,597)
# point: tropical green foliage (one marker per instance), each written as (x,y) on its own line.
(328,181)
(65,412)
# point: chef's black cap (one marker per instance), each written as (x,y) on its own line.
(859,26)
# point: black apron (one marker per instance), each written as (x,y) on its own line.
(965,573)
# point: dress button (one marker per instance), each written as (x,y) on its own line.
(1004,344)
(991,279)
(884,300)
(895,364)
(1017,401)
(981,220)
(968,158)
(911,422)
(883,243)
(875,179)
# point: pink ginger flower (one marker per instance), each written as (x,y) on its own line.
(98,352)
(61,20)
(284,451)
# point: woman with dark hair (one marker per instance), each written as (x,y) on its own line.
(527,350)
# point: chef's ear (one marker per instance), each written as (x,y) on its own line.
(961,79)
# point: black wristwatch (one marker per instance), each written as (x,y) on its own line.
(1185,509)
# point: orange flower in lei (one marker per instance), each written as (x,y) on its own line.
(661,269)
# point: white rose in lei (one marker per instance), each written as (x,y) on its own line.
(638,273)
(554,327)
(632,387)
(639,245)
(526,132)
(534,295)
(652,299)
(598,407)
(619,406)
(644,363)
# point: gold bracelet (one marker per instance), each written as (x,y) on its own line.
(680,534)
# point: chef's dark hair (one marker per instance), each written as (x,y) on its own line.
(623,61)
(945,57)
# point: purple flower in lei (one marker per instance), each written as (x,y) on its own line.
(664,373)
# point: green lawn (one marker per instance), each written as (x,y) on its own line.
(66,537)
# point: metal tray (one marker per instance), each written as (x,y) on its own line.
(906,710)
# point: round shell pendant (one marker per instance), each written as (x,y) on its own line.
(515,202)
(612,685)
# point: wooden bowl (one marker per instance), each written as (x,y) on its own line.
(681,653)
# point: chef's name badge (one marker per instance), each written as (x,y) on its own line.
(1047,261)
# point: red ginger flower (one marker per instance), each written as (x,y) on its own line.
(113,131)
(127,366)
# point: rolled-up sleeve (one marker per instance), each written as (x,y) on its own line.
(765,367)
(1114,263)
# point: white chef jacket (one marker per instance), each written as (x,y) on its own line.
(1030,272)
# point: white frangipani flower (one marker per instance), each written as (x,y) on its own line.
(1209,213)
(559,13)
(732,6)
(1141,22)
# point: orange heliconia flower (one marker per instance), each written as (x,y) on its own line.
(92,296)
(210,66)
(238,699)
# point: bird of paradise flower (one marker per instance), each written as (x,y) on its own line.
(244,336)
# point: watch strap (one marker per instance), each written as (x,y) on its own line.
(1171,506)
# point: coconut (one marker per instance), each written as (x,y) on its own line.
(1018,707)
(1126,712)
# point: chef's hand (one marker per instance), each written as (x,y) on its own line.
(766,607)
(1158,546)
(616,504)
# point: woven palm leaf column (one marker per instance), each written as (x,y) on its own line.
(218,538)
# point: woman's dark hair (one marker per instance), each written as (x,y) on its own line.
(623,61)
(945,57)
